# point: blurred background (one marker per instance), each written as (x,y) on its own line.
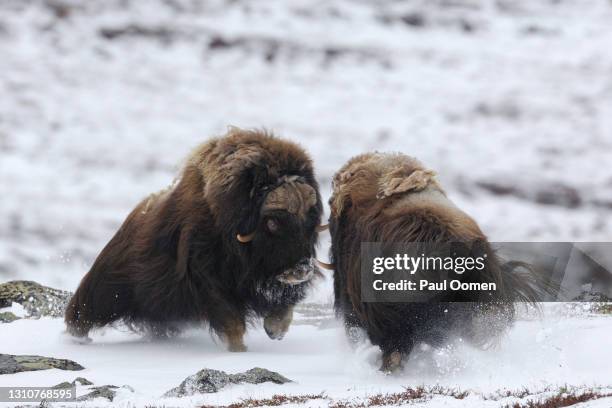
(100,101)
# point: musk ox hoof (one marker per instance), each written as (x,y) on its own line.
(277,325)
(83,340)
(355,335)
(77,339)
(237,348)
(79,333)
(275,335)
(391,362)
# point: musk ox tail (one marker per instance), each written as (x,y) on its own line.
(522,284)
(527,284)
(97,301)
(105,293)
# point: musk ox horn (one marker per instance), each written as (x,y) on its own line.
(292,196)
(322,227)
(325,265)
(245,238)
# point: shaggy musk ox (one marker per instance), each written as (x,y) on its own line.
(231,239)
(392,198)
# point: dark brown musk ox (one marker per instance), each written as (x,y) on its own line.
(232,239)
(393,198)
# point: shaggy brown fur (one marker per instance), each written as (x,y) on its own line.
(392,198)
(176,258)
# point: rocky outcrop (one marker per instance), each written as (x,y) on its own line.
(10,364)
(78,380)
(105,391)
(63,385)
(36,299)
(108,392)
(8,317)
(82,381)
(208,381)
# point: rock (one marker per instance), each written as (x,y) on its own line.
(106,391)
(603,308)
(82,381)
(36,299)
(204,381)
(549,193)
(414,19)
(66,384)
(8,317)
(591,296)
(259,375)
(163,34)
(10,364)
(208,381)
(63,385)
(598,302)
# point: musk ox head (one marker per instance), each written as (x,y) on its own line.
(265,201)
(390,184)
(373,176)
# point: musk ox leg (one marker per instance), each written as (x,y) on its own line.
(233,334)
(391,361)
(394,349)
(277,322)
(355,333)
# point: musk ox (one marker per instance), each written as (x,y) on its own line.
(232,239)
(393,198)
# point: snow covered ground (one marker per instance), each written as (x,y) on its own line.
(561,350)
(100,100)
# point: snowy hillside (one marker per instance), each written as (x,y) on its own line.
(510,101)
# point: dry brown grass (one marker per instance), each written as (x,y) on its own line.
(405,397)
(397,398)
(560,400)
(603,308)
(275,401)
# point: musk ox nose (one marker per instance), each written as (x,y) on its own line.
(301,272)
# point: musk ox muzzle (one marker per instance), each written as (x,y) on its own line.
(302,272)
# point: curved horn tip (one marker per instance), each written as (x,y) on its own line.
(245,238)
(322,227)
(325,265)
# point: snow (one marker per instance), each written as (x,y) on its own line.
(554,351)
(508,93)
(15,309)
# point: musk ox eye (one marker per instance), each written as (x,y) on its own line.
(272,225)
